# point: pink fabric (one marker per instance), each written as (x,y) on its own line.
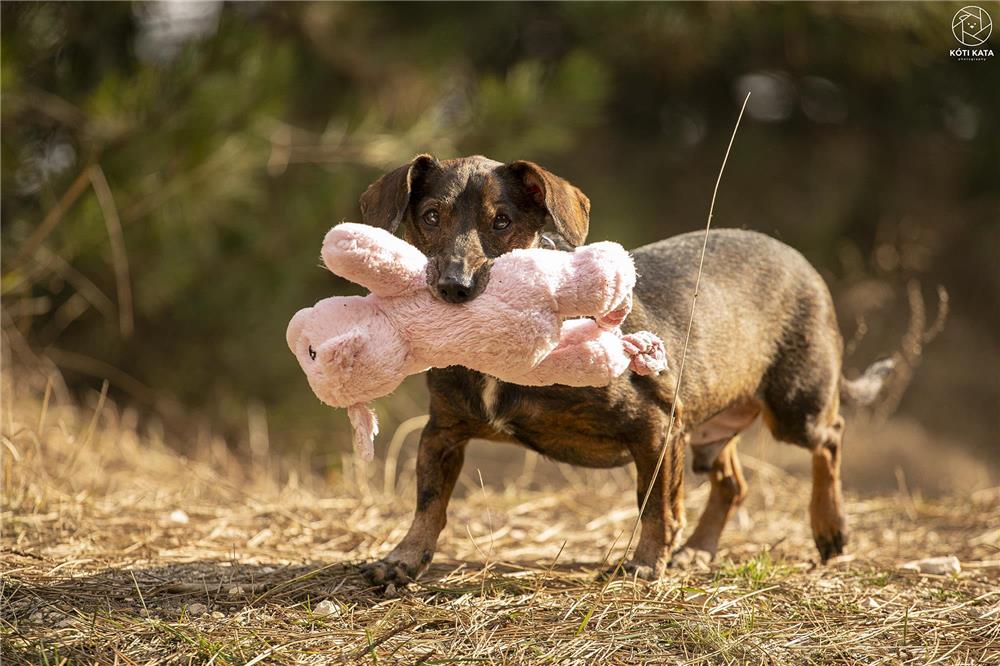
(365,425)
(520,329)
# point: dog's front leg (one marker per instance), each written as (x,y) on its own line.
(439,461)
(663,519)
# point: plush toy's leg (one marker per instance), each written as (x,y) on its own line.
(598,280)
(439,461)
(588,355)
(365,425)
(615,318)
(648,356)
(374,258)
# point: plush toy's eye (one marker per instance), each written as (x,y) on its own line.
(431,218)
(501,221)
(312,353)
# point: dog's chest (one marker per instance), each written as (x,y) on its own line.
(490,398)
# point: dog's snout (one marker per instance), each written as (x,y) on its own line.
(455,288)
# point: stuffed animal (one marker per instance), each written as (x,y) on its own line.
(524,328)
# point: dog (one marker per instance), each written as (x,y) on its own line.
(764,342)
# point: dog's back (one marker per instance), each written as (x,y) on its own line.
(759,301)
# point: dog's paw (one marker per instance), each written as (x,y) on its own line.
(830,544)
(630,569)
(389,574)
(688,558)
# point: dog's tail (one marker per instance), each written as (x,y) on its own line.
(890,376)
(866,389)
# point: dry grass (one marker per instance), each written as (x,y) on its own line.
(99,566)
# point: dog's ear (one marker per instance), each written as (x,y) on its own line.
(385,201)
(568,207)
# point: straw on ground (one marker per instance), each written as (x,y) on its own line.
(122,551)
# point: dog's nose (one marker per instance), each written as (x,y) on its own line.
(455,289)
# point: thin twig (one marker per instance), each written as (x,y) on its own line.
(687,340)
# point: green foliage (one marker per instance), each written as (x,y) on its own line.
(757,572)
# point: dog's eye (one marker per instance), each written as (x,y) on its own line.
(431,218)
(312,353)
(501,221)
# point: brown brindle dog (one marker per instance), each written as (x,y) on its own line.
(764,341)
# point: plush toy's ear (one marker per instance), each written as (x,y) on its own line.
(385,201)
(566,205)
(338,354)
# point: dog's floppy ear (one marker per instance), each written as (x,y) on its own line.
(385,201)
(568,207)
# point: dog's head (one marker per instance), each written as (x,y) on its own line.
(463,213)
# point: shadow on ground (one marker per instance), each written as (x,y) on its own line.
(195,588)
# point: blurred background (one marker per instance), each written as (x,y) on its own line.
(169,171)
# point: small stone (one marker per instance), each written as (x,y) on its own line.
(236,591)
(326,608)
(179,517)
(870,603)
(37,616)
(218,615)
(144,612)
(196,609)
(65,622)
(947,564)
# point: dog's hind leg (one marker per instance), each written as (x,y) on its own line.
(804,409)
(728,490)
(826,506)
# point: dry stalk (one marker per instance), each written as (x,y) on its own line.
(667,442)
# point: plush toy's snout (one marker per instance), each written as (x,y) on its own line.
(295,328)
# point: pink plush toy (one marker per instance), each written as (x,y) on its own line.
(523,328)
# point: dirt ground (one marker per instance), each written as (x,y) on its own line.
(116,550)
